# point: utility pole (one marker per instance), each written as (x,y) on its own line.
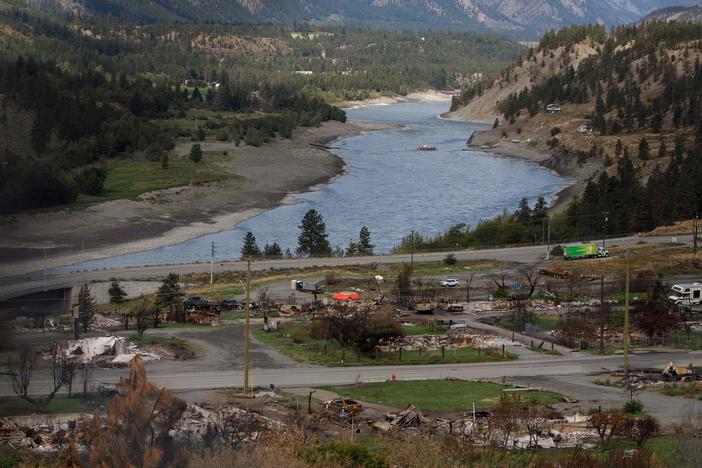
(412,252)
(212,264)
(604,229)
(626,317)
(548,241)
(695,223)
(602,317)
(46,266)
(246,327)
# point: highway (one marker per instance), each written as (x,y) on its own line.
(14,286)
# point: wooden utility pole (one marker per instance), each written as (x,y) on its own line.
(212,263)
(412,252)
(246,327)
(695,224)
(602,315)
(626,317)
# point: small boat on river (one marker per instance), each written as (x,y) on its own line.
(426,148)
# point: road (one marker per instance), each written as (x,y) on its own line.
(14,286)
(173,376)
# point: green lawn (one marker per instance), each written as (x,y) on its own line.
(415,330)
(60,405)
(438,395)
(294,341)
(130,177)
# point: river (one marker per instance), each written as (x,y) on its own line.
(390,187)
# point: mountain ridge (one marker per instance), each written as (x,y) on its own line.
(519,19)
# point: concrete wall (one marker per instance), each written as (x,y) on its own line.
(133,289)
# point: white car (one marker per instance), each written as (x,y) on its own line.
(449,283)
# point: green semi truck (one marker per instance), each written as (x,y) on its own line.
(576,251)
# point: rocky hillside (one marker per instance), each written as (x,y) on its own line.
(679,14)
(635,93)
(521,19)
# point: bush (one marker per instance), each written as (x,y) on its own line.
(222,135)
(450,259)
(633,407)
(196,153)
(344,454)
(91,180)
(555,131)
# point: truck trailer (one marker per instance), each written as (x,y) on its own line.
(591,250)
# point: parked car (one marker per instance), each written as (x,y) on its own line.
(231,304)
(449,283)
(210,305)
(193,302)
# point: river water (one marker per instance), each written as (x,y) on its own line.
(390,187)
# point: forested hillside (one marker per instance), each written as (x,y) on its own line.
(629,118)
(76,94)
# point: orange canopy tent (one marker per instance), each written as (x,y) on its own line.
(346,296)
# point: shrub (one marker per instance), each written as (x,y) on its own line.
(91,180)
(555,131)
(450,259)
(633,407)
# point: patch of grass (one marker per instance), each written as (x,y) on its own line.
(10,406)
(294,340)
(688,390)
(415,330)
(438,268)
(439,395)
(9,457)
(128,178)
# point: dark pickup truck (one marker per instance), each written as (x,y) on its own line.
(196,302)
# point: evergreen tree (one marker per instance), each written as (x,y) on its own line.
(496,123)
(352,249)
(169,295)
(250,248)
(539,213)
(116,292)
(644,150)
(313,240)
(272,251)
(164,161)
(196,153)
(662,149)
(86,306)
(364,246)
(523,212)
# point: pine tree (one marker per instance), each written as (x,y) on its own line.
(539,213)
(364,246)
(496,123)
(523,212)
(644,150)
(196,153)
(313,240)
(116,292)
(250,249)
(164,161)
(272,251)
(169,295)
(86,306)
(662,149)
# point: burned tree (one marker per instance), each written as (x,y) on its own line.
(136,431)
(655,315)
(21,372)
(607,424)
(531,276)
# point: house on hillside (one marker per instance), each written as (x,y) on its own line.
(585,128)
(553,108)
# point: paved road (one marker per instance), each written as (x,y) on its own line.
(171,375)
(14,286)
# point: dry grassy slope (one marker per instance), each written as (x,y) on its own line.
(538,128)
(542,66)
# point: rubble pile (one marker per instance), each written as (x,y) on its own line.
(221,423)
(108,350)
(453,340)
(48,434)
(672,373)
(103,322)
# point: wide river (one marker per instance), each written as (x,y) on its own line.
(390,187)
